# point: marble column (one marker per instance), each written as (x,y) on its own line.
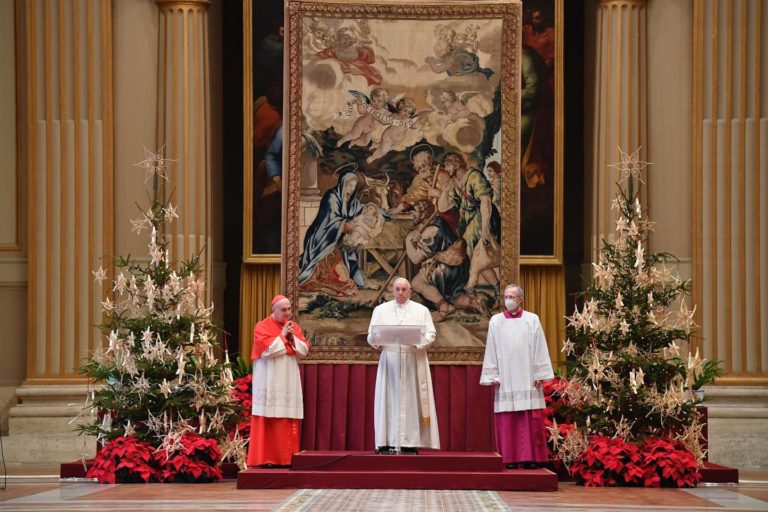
(184,123)
(620,104)
(67,52)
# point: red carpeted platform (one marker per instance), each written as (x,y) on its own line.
(713,473)
(427,470)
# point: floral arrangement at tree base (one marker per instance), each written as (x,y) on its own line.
(196,460)
(124,460)
(656,462)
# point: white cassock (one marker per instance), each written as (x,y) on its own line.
(277,382)
(404,408)
(516,355)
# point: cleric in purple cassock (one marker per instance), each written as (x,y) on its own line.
(337,206)
(517,362)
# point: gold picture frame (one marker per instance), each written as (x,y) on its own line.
(541,195)
(372,91)
(255,209)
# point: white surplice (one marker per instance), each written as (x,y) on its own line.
(516,356)
(404,407)
(277,383)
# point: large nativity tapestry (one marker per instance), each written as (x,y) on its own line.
(402,159)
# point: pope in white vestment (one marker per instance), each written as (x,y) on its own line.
(516,362)
(404,406)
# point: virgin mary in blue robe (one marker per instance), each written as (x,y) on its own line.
(337,206)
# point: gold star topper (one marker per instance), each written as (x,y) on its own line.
(630,165)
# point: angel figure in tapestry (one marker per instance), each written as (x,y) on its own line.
(372,111)
(354,57)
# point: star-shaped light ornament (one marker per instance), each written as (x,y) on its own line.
(624,327)
(166,388)
(630,165)
(154,164)
(129,429)
(99,275)
(108,305)
(554,433)
(141,385)
(568,347)
(623,429)
(170,213)
(121,284)
(685,318)
(621,225)
(633,230)
(139,224)
(235,447)
(157,255)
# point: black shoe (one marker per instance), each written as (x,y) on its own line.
(513,466)
(385,450)
(409,450)
(531,465)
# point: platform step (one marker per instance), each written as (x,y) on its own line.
(505,480)
(426,460)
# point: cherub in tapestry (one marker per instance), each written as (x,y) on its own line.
(400,167)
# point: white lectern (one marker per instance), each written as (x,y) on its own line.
(399,336)
(396,335)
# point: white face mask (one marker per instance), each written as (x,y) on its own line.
(511,304)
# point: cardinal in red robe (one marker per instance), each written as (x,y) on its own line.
(278,406)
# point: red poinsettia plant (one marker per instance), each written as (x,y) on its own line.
(657,462)
(197,461)
(668,463)
(554,399)
(241,393)
(124,460)
(608,462)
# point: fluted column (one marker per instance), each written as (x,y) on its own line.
(619,103)
(67,52)
(69,93)
(730,186)
(184,121)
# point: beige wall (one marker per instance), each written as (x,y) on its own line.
(669,127)
(135,79)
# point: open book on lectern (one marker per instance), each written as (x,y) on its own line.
(393,335)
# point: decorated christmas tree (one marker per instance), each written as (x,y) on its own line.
(629,369)
(162,406)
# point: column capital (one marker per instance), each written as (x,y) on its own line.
(619,3)
(170,4)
